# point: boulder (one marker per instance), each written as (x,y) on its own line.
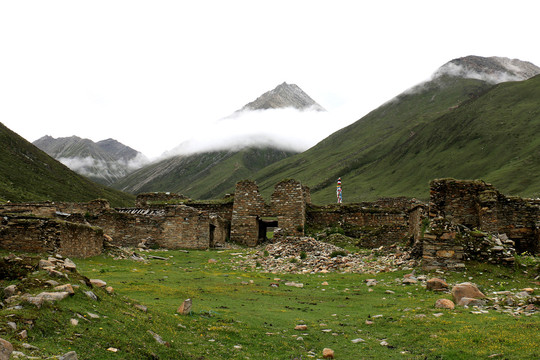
(5,349)
(445,304)
(466,289)
(436,284)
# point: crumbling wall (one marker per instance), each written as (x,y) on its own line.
(172,227)
(288,203)
(249,207)
(478,205)
(39,235)
(373,225)
(163,198)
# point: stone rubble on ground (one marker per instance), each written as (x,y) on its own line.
(301,255)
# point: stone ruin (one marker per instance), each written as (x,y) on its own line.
(463,220)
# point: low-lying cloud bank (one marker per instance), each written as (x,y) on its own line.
(287,129)
(89,166)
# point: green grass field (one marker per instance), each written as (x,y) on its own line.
(236,314)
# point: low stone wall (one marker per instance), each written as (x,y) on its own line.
(176,226)
(374,226)
(148,199)
(39,235)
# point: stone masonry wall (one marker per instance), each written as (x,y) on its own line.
(147,199)
(372,225)
(174,227)
(249,207)
(288,203)
(476,204)
(50,235)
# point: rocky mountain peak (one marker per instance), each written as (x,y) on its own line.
(491,69)
(284,96)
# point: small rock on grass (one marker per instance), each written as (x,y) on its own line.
(185,308)
(328,353)
(356,341)
(300,327)
(445,304)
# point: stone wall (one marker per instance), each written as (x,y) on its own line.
(173,227)
(38,235)
(372,224)
(288,203)
(249,207)
(478,205)
(147,199)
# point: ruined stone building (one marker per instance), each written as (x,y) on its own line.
(173,221)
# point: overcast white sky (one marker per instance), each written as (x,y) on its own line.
(153,73)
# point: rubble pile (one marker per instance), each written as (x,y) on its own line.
(306,255)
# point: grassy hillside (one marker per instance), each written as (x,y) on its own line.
(201,176)
(238,314)
(352,152)
(28,174)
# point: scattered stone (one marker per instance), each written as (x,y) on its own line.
(57,273)
(29,347)
(325,283)
(328,353)
(141,307)
(5,349)
(52,282)
(529,290)
(10,290)
(66,287)
(292,283)
(69,265)
(436,284)
(466,301)
(74,322)
(91,295)
(98,283)
(185,308)
(371,282)
(445,304)
(390,292)
(300,327)
(212,261)
(112,349)
(369,322)
(23,334)
(109,290)
(92,315)
(466,289)
(356,341)
(238,347)
(409,281)
(45,264)
(438,314)
(12,325)
(72,355)
(384,343)
(157,338)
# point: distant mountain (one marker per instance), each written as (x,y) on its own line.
(213,169)
(105,161)
(29,174)
(458,124)
(284,96)
(492,69)
(201,176)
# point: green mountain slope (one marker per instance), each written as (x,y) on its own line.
(29,174)
(350,152)
(433,133)
(201,176)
